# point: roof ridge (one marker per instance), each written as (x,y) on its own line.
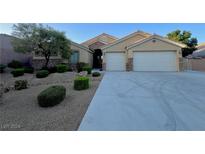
(111,36)
(159,37)
(169,39)
(128,36)
(80,45)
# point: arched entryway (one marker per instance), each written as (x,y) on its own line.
(97,59)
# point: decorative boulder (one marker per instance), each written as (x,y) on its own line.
(83,73)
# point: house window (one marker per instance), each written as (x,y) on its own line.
(74,57)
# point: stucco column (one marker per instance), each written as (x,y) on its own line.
(104,66)
(129,64)
(103,61)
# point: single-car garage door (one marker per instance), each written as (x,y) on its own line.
(115,62)
(154,61)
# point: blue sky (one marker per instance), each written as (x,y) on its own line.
(80,32)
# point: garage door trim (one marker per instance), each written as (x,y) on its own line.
(170,67)
(115,66)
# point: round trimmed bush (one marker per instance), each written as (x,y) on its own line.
(70,69)
(52,69)
(81,83)
(87,68)
(51,96)
(61,68)
(18,72)
(96,74)
(28,70)
(44,68)
(2,67)
(15,64)
(42,73)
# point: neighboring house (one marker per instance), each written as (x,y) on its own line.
(79,53)
(201,45)
(200,53)
(7,53)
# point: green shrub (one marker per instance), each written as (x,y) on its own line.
(61,68)
(88,69)
(20,84)
(28,69)
(42,73)
(51,96)
(15,64)
(80,65)
(70,69)
(18,72)
(2,67)
(96,74)
(44,68)
(52,69)
(81,83)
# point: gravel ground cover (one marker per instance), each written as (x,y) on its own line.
(19,110)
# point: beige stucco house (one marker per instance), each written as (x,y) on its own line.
(138,51)
(141,51)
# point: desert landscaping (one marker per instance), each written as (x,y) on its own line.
(19,109)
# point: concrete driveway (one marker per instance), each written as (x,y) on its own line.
(148,101)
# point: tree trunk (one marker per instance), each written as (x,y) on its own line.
(47,58)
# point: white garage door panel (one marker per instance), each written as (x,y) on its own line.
(115,61)
(154,61)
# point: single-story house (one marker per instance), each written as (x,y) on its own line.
(138,51)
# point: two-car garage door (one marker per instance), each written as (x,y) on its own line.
(143,61)
(154,61)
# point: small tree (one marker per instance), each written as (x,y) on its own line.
(40,39)
(184,37)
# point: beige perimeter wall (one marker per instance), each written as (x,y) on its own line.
(193,64)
